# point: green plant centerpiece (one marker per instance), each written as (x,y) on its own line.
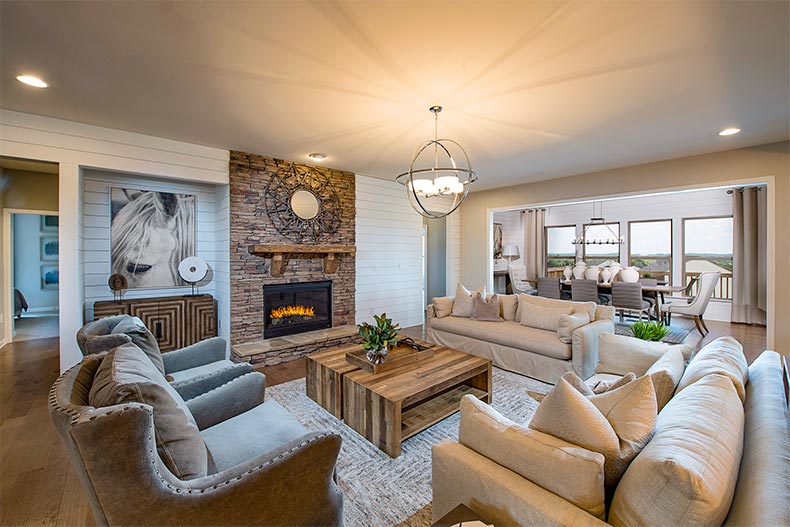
(654,330)
(378,338)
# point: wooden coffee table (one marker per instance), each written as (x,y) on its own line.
(389,407)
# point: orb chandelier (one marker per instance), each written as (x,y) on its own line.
(437,191)
(610,239)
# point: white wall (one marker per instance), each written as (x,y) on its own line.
(76,146)
(389,253)
(95,253)
(27,277)
(512,234)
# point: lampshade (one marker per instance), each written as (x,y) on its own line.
(510,252)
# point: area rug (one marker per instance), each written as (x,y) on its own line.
(678,330)
(379,491)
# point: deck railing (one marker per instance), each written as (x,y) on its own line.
(722,291)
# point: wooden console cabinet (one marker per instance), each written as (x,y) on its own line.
(175,321)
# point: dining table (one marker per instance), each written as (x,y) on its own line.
(660,290)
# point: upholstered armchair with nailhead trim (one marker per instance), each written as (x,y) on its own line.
(263,467)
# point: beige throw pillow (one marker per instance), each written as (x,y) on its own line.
(724,356)
(442,306)
(533,300)
(463,303)
(567,324)
(686,475)
(616,424)
(666,373)
(619,354)
(569,471)
(508,305)
(541,317)
(127,375)
(486,311)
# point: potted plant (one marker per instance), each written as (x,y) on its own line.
(378,338)
(654,330)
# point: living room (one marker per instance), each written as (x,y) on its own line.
(351,331)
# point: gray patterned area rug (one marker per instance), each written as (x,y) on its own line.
(678,330)
(379,490)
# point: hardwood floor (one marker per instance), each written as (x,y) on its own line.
(38,486)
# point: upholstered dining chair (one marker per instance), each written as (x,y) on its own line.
(518,276)
(587,291)
(144,456)
(650,296)
(627,296)
(696,309)
(549,287)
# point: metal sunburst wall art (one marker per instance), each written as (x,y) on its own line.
(302,204)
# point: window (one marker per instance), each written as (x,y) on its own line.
(595,254)
(560,250)
(707,246)
(650,248)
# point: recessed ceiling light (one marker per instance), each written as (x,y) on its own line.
(730,131)
(317,156)
(32,81)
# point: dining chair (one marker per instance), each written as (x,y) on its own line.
(627,296)
(549,287)
(696,309)
(518,276)
(586,291)
(650,296)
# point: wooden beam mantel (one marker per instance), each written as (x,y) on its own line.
(280,254)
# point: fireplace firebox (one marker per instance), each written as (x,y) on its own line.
(295,308)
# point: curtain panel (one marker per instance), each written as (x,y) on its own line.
(749,255)
(534,221)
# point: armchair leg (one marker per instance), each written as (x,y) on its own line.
(704,325)
(699,326)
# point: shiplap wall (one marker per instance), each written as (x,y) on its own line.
(222,259)
(95,248)
(512,234)
(389,253)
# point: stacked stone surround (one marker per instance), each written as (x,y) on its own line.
(250,225)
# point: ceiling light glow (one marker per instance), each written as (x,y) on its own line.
(32,81)
(730,131)
(317,156)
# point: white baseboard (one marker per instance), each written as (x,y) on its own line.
(49,310)
(3,342)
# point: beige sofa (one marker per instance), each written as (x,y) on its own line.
(530,351)
(738,476)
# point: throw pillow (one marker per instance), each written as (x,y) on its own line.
(143,339)
(507,307)
(463,302)
(126,375)
(605,386)
(542,317)
(571,472)
(567,324)
(666,373)
(617,424)
(619,354)
(687,474)
(442,306)
(523,299)
(724,356)
(485,311)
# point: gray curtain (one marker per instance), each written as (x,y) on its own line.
(749,255)
(534,220)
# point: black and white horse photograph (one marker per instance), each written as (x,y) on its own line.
(151,232)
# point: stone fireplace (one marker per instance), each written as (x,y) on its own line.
(289,309)
(262,260)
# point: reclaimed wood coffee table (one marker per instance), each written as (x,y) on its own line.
(389,407)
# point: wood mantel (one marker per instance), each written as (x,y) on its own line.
(281,253)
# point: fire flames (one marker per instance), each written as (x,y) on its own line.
(292,311)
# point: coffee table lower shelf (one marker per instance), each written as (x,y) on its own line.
(427,413)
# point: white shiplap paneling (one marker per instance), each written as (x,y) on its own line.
(389,253)
(95,247)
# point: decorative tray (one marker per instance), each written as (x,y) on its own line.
(397,357)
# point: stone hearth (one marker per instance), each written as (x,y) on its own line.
(285,349)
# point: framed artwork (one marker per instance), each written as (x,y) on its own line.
(150,233)
(49,223)
(497,241)
(48,248)
(50,278)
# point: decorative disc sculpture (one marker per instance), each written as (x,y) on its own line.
(192,270)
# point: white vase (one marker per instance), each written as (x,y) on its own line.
(567,272)
(592,273)
(578,271)
(606,276)
(630,274)
(614,269)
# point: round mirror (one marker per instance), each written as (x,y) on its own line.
(304,204)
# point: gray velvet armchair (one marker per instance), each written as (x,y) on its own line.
(265,468)
(193,370)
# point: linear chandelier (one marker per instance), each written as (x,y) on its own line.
(611,239)
(438,191)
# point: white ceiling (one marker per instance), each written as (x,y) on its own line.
(533,90)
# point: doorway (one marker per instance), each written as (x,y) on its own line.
(436,258)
